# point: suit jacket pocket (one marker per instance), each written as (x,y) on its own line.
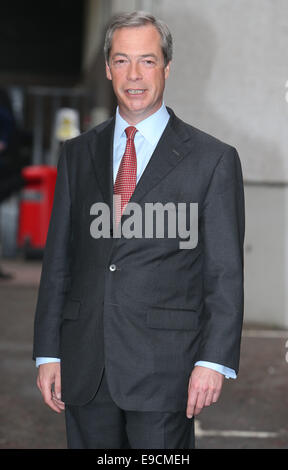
(172,319)
(71,309)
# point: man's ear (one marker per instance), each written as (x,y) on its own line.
(108,72)
(167,69)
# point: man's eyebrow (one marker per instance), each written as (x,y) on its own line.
(149,55)
(122,54)
(119,53)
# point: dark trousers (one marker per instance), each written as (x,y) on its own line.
(101,424)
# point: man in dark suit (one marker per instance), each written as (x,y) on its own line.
(135,334)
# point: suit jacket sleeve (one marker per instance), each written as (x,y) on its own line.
(222,224)
(55,276)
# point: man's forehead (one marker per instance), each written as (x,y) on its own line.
(135,42)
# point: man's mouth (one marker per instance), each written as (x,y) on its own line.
(132,91)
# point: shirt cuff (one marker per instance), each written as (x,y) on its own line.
(45,360)
(229,373)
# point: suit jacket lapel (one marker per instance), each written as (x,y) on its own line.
(101,151)
(171,149)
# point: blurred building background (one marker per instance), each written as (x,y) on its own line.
(228,78)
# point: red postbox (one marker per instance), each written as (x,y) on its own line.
(35,207)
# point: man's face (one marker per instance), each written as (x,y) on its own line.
(136,68)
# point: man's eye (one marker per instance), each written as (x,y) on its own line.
(149,62)
(120,61)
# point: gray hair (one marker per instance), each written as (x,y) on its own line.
(136,19)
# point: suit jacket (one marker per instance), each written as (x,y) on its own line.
(159,308)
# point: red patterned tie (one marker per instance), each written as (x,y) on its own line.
(126,177)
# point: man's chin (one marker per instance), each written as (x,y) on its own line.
(137,107)
(139,111)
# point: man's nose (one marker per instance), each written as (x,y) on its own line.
(134,72)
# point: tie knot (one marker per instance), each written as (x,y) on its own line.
(130,132)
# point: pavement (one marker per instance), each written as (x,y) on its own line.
(252,412)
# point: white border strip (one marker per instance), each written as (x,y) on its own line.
(199,432)
(265,333)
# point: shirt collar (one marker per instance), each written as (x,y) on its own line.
(151,128)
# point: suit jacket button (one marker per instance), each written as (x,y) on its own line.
(112,267)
